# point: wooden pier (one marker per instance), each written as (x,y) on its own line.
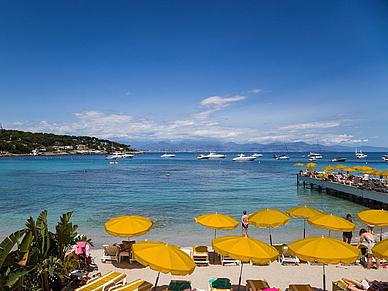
(368,197)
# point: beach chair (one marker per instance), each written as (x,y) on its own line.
(217,284)
(200,255)
(228,260)
(111,253)
(178,285)
(104,282)
(137,285)
(125,251)
(300,287)
(288,258)
(256,285)
(279,248)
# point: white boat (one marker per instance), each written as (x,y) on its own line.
(257,155)
(337,160)
(116,156)
(244,158)
(312,159)
(202,157)
(385,158)
(216,156)
(168,156)
(315,155)
(360,155)
(283,157)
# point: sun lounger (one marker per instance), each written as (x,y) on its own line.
(111,253)
(288,258)
(104,282)
(279,248)
(256,285)
(228,260)
(178,285)
(137,285)
(200,255)
(217,284)
(300,287)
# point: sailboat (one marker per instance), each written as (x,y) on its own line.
(360,155)
(284,157)
(315,156)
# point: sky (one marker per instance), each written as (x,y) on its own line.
(227,71)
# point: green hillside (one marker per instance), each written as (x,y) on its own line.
(20,142)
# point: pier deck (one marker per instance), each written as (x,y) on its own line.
(344,190)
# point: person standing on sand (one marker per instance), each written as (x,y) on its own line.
(347,235)
(244,223)
(370,242)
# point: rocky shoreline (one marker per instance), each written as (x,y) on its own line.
(64,154)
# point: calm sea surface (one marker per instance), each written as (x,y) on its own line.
(97,191)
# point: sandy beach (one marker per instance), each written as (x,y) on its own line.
(277,275)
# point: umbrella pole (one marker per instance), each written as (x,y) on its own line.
(157,279)
(324,278)
(381,234)
(304,228)
(270,236)
(239,280)
(329,232)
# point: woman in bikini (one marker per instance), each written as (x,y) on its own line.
(370,241)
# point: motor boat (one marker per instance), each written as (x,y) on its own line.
(312,159)
(168,156)
(283,157)
(360,155)
(116,156)
(315,155)
(257,155)
(337,160)
(385,158)
(244,158)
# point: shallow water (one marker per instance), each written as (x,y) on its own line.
(97,191)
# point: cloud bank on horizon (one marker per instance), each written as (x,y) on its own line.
(201,125)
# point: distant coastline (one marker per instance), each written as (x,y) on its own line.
(64,154)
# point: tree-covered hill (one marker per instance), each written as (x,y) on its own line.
(20,142)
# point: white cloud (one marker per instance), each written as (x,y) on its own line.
(213,104)
(128,93)
(310,125)
(255,91)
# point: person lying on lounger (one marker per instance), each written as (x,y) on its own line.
(366,284)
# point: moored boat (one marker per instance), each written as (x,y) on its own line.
(244,158)
(337,160)
(168,156)
(360,155)
(385,158)
(119,155)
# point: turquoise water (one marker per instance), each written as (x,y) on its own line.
(97,191)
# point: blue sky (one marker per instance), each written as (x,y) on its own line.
(240,71)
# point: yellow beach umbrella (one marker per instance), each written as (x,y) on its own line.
(245,249)
(299,164)
(128,226)
(339,167)
(358,168)
(369,172)
(331,222)
(217,221)
(163,258)
(268,218)
(380,250)
(305,213)
(325,250)
(329,168)
(366,168)
(311,165)
(374,217)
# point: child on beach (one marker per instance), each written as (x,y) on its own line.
(244,223)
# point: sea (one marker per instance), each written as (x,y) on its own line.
(97,191)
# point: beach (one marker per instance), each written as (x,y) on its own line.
(277,275)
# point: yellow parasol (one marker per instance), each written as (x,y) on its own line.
(163,258)
(217,221)
(311,165)
(374,217)
(305,213)
(299,164)
(380,250)
(128,226)
(329,168)
(369,172)
(245,249)
(268,218)
(366,168)
(349,170)
(331,222)
(339,167)
(324,250)
(358,168)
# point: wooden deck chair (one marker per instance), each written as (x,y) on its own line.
(111,253)
(218,284)
(256,285)
(228,260)
(200,255)
(300,287)
(288,258)
(137,285)
(104,282)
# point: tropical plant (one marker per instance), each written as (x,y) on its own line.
(32,258)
